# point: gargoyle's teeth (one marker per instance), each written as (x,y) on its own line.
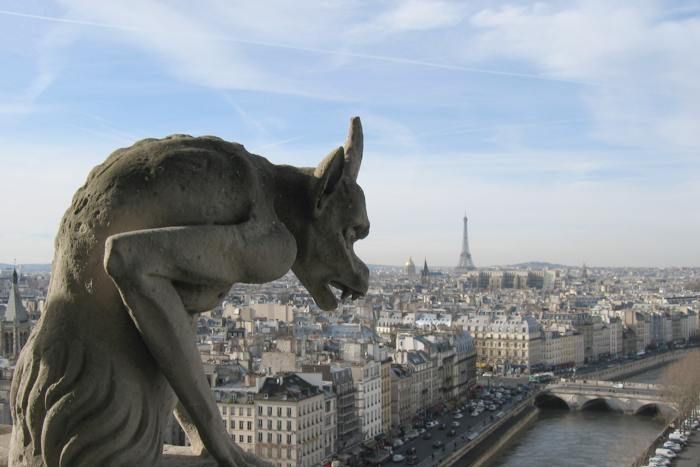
(346,293)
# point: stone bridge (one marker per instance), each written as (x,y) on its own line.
(629,398)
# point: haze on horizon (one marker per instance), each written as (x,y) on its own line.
(568,131)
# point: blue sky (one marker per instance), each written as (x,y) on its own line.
(568,131)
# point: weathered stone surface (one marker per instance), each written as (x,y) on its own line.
(179,456)
(158,233)
(173,456)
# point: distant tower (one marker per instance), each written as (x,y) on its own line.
(425,273)
(15,325)
(465,258)
(410,268)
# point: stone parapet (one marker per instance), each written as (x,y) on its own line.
(173,456)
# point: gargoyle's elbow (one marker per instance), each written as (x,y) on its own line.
(114,263)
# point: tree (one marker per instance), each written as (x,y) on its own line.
(681,382)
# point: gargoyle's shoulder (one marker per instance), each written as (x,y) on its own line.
(182,140)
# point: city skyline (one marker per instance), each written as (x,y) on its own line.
(577,150)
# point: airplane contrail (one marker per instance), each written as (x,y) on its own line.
(316,50)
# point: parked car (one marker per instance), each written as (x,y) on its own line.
(455,424)
(397,443)
(398,458)
(659,461)
(675,447)
(667,453)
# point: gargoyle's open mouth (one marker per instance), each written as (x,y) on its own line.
(346,291)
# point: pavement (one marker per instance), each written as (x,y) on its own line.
(469,428)
(690,456)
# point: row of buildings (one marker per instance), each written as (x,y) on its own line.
(297,386)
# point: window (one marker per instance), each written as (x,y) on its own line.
(289,440)
(248,411)
(289,425)
(260,410)
(269,410)
(279,411)
(250,439)
(279,439)
(279,425)
(250,425)
(240,438)
(240,411)
(289,411)
(240,425)
(260,423)
(232,424)
(269,437)
(269,424)
(260,437)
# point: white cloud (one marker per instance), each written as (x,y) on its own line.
(409,16)
(641,67)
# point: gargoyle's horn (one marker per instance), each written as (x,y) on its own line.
(353,148)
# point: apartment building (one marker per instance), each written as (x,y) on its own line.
(280,419)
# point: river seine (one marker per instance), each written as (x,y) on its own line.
(577,439)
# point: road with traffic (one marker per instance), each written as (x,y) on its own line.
(454,428)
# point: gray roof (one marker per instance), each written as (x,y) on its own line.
(15,311)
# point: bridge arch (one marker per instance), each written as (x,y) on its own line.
(603,403)
(594,404)
(651,410)
(550,401)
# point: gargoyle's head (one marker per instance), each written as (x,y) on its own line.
(325,255)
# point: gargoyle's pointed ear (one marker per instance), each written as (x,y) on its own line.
(328,174)
(353,148)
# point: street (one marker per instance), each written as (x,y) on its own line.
(469,428)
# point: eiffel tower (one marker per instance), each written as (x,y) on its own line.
(465,258)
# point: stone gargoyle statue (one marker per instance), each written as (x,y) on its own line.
(159,233)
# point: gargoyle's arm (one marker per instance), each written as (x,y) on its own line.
(145,264)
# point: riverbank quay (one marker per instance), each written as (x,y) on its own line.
(635,367)
(656,443)
(484,445)
(690,456)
